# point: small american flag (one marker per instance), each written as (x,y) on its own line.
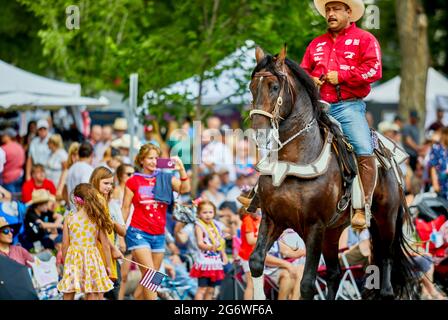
(152,279)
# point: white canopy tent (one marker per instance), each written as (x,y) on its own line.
(221,89)
(22,90)
(436,94)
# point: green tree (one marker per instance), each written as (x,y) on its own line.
(19,43)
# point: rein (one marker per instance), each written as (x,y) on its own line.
(274,116)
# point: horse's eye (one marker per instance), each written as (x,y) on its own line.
(275,87)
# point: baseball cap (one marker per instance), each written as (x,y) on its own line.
(9,132)
(42,123)
(413,114)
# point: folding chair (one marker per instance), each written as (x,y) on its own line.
(321,284)
(270,288)
(348,288)
(173,290)
(238,275)
(45,276)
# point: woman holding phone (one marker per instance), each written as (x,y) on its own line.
(151,192)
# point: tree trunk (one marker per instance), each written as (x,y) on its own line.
(412,32)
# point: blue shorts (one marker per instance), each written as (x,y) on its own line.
(136,239)
(352,117)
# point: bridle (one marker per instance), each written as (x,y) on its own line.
(274,115)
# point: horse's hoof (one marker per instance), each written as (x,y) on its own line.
(259,296)
(387,294)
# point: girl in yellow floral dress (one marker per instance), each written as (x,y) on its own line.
(84,270)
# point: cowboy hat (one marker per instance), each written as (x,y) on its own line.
(386,126)
(42,123)
(120,124)
(125,142)
(40,196)
(357,7)
(4,223)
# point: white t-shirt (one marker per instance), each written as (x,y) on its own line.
(192,245)
(116,215)
(53,167)
(39,151)
(294,241)
(79,172)
(222,157)
(232,196)
(217,198)
(98,151)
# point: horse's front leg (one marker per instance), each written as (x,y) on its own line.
(267,235)
(331,256)
(313,240)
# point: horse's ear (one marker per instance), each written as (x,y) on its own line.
(281,56)
(259,54)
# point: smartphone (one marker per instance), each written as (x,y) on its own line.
(165,163)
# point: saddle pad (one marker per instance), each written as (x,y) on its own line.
(397,151)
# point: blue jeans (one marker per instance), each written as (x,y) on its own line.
(352,117)
(15,186)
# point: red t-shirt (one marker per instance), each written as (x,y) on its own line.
(355,55)
(29,186)
(249,224)
(15,159)
(149,215)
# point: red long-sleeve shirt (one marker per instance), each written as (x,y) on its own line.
(355,54)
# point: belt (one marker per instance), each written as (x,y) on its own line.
(338,92)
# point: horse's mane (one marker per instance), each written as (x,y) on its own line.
(268,63)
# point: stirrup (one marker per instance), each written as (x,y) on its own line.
(368,214)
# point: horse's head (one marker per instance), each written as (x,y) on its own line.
(277,85)
(272,89)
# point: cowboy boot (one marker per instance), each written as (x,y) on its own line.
(367,173)
(245,201)
(250,200)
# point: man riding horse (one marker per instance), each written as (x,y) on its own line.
(343,63)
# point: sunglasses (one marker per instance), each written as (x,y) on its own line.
(7,231)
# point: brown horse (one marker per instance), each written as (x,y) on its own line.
(308,205)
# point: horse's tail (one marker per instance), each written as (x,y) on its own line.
(403,276)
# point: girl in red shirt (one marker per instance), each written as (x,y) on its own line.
(249,234)
(145,237)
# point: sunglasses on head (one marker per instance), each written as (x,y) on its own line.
(7,230)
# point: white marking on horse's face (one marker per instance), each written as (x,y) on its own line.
(263,137)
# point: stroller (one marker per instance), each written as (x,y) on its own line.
(45,276)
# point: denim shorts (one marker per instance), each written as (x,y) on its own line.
(352,117)
(136,239)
